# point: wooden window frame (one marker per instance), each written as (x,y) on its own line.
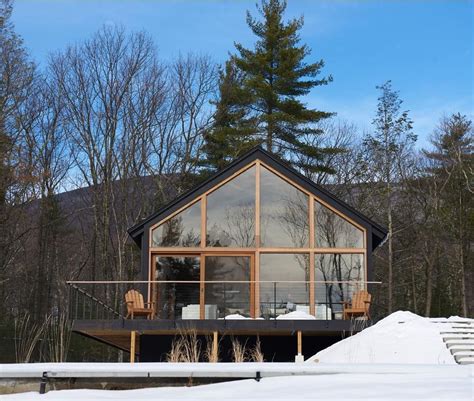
(254,252)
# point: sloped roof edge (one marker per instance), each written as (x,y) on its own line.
(259,153)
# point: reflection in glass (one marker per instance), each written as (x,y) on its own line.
(279,298)
(184,229)
(338,267)
(171,298)
(231,213)
(230,298)
(332,231)
(283,213)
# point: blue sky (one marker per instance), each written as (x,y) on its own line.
(424,47)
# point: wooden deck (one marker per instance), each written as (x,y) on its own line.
(117,332)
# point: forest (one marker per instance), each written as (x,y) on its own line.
(106,132)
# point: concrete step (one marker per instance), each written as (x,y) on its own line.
(459,355)
(457,348)
(457,336)
(466,360)
(461,341)
(463,330)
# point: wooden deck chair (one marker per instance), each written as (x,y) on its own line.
(360,305)
(136,306)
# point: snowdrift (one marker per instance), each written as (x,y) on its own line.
(402,337)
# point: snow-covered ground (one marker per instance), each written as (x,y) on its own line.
(456,386)
(402,357)
(401,337)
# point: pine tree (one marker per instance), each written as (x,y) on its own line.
(453,170)
(233,128)
(260,98)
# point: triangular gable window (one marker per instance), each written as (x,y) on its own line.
(332,231)
(284,215)
(181,230)
(231,213)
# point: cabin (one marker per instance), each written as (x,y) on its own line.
(257,252)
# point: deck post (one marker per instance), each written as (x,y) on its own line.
(300,341)
(215,346)
(132,346)
(299,356)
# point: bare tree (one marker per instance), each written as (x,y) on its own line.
(17,75)
(112,86)
(389,148)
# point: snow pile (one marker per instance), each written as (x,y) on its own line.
(296,315)
(401,337)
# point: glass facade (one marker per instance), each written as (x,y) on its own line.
(341,274)
(284,212)
(231,294)
(278,294)
(231,213)
(332,231)
(182,230)
(172,297)
(219,277)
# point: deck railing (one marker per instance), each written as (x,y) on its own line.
(182,300)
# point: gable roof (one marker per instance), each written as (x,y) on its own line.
(379,233)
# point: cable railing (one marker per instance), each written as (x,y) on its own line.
(191,299)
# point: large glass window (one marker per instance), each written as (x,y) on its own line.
(184,229)
(342,275)
(278,297)
(177,300)
(332,231)
(229,297)
(283,213)
(231,213)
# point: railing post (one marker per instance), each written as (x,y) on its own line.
(274,300)
(83,308)
(76,303)
(225,303)
(69,296)
(327,305)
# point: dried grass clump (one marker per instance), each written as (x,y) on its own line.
(59,336)
(185,347)
(255,353)
(239,350)
(27,336)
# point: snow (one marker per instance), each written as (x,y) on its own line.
(296,315)
(236,316)
(402,337)
(433,385)
(402,357)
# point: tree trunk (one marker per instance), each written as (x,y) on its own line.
(390,255)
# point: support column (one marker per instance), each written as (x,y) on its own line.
(299,357)
(132,345)
(215,347)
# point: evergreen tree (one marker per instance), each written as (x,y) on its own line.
(233,128)
(453,170)
(260,93)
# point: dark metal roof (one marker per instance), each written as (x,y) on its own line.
(378,232)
